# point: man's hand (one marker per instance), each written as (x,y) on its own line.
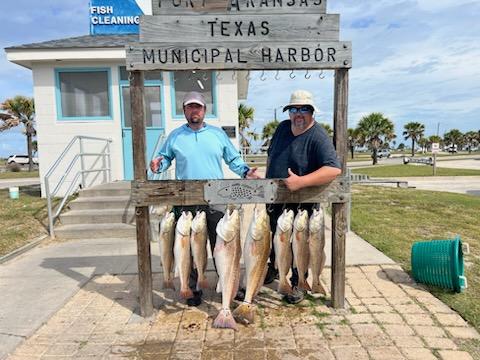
(252,174)
(155,164)
(293,181)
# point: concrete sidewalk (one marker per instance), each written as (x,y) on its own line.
(38,283)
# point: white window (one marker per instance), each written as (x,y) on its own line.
(83,94)
(202,81)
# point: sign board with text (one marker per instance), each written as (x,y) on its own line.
(217,29)
(117,16)
(435,148)
(246,56)
(185,7)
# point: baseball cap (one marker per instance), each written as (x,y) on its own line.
(194,97)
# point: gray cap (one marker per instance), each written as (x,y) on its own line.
(194,97)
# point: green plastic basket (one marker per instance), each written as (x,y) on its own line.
(439,263)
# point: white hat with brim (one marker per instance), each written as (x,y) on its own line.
(301,98)
(194,97)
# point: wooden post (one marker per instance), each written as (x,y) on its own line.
(339,210)
(141,212)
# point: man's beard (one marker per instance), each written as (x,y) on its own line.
(300,123)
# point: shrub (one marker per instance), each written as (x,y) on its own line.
(14,167)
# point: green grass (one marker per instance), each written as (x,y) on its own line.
(19,175)
(22,220)
(393,219)
(412,170)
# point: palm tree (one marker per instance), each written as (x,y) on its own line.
(414,131)
(268,131)
(20,110)
(328,129)
(374,130)
(453,138)
(471,139)
(353,140)
(423,143)
(245,117)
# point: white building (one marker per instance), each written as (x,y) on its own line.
(81,87)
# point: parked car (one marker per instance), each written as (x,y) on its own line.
(20,159)
(384,153)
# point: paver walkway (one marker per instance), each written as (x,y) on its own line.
(388,317)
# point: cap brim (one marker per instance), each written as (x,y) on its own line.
(193,102)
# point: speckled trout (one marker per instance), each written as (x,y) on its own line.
(300,247)
(166,241)
(316,243)
(227,258)
(256,250)
(183,261)
(283,249)
(198,245)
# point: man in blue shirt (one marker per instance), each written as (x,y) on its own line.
(303,155)
(198,149)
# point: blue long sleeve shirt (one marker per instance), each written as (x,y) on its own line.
(198,154)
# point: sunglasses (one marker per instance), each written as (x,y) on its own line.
(302,110)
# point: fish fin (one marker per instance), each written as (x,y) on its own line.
(284,288)
(303,284)
(317,288)
(245,313)
(225,320)
(186,294)
(168,284)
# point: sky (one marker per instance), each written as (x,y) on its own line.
(413,60)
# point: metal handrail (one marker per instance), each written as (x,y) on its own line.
(150,174)
(106,169)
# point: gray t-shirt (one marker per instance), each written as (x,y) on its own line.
(303,154)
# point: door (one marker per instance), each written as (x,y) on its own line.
(154,124)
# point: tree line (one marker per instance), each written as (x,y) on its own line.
(374,132)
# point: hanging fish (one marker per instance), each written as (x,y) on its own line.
(316,243)
(300,247)
(256,250)
(182,253)
(198,245)
(283,249)
(166,241)
(227,258)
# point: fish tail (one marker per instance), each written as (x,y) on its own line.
(303,284)
(186,294)
(245,313)
(317,288)
(202,283)
(284,288)
(168,284)
(260,191)
(225,320)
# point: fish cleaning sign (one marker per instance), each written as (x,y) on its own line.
(109,17)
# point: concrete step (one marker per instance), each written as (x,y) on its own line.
(100,202)
(98,216)
(95,231)
(117,188)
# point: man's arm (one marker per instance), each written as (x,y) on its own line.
(321,176)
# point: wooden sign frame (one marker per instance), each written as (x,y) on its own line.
(178,192)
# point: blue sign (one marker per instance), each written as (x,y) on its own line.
(117,16)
